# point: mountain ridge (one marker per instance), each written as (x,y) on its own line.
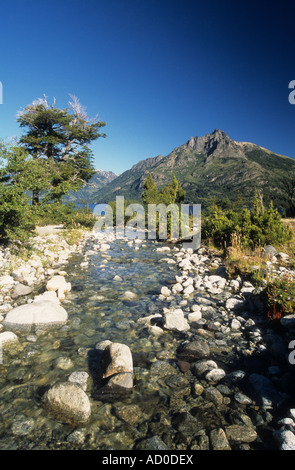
(209,166)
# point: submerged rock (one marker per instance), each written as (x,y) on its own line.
(237,434)
(118,386)
(197,349)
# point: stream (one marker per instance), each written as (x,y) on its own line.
(168,402)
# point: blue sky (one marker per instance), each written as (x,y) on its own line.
(158,72)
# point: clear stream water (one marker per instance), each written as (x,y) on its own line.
(98,311)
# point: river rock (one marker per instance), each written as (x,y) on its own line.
(265,390)
(282,256)
(118,386)
(177,288)
(60,285)
(104,247)
(7,337)
(174,320)
(116,358)
(153,443)
(21,290)
(234,303)
(160,369)
(188,290)
(219,440)
(22,425)
(215,375)
(80,378)
(6,281)
(197,349)
(285,439)
(48,295)
(64,363)
(68,402)
(41,312)
(185,423)
(237,434)
(214,395)
(203,366)
(131,414)
(165,291)
(194,316)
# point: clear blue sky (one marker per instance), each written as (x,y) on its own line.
(157,71)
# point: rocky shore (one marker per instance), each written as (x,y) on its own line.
(223,382)
(43,270)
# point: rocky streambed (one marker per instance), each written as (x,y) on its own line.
(119,344)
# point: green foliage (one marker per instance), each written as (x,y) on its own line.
(57,143)
(52,157)
(19,173)
(66,214)
(113,206)
(15,218)
(280,298)
(255,227)
(150,192)
(172,193)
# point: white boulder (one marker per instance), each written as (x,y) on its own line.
(42,312)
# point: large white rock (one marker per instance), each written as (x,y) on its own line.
(42,312)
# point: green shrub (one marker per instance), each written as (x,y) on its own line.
(16,223)
(66,214)
(280,298)
(255,227)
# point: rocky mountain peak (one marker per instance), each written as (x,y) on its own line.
(210,142)
(217,143)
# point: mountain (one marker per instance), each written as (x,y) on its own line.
(86,194)
(209,166)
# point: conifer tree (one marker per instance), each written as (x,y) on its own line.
(150,192)
(57,143)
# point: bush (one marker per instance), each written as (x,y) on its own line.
(66,214)
(255,227)
(16,223)
(280,298)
